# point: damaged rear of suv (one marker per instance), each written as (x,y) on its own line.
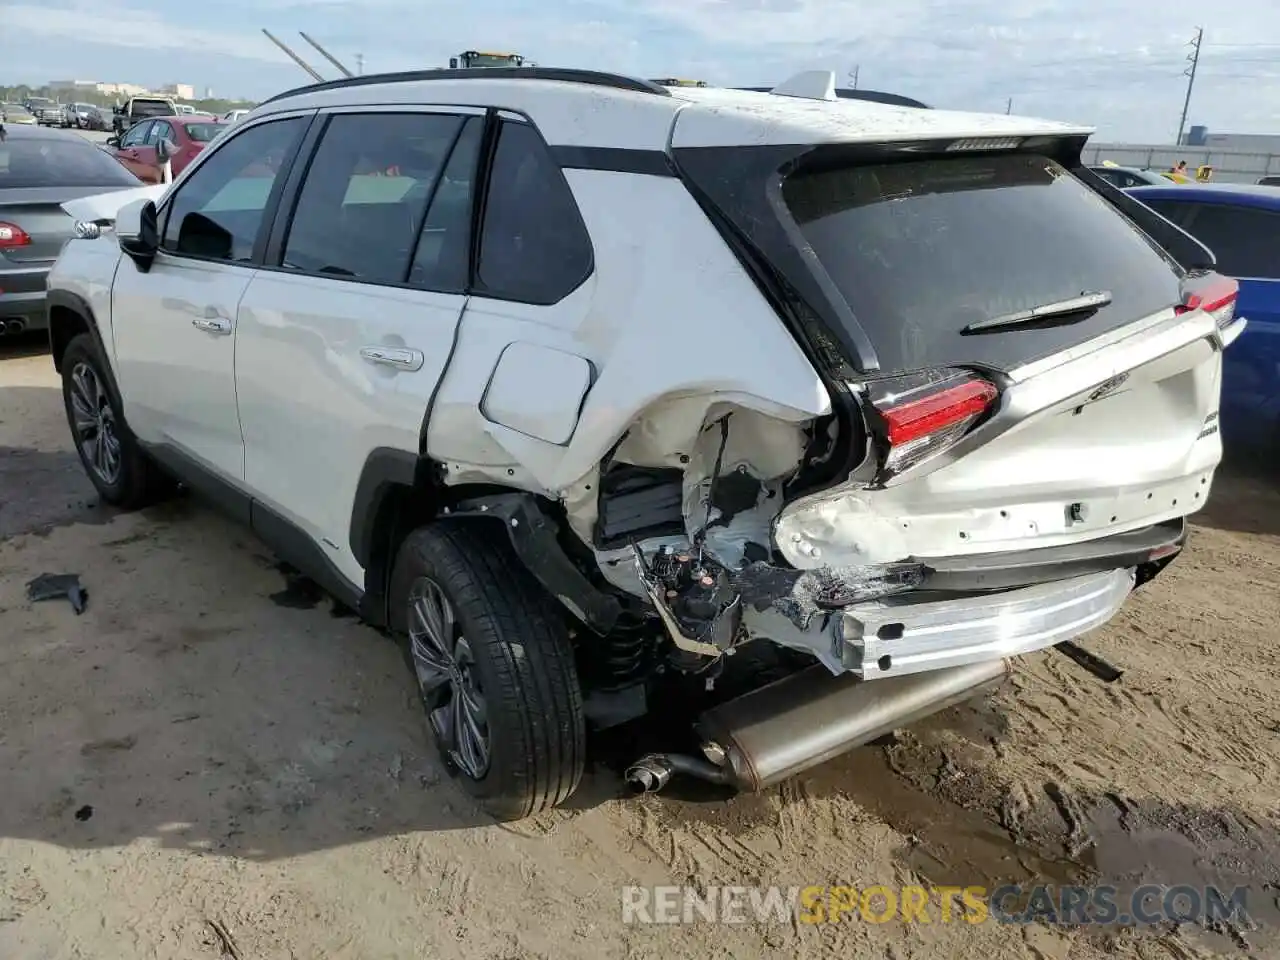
(1029,418)
(1024,390)
(779,418)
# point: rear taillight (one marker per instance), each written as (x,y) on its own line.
(919,415)
(1213,294)
(12,235)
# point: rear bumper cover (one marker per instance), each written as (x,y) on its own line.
(23,296)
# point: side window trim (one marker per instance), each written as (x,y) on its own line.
(431,199)
(273,198)
(273,248)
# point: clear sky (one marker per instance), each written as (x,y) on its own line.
(1113,64)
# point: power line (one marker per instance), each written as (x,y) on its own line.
(1194,60)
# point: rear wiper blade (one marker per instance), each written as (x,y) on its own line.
(1058,308)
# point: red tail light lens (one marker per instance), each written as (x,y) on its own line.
(1213,294)
(920,415)
(12,235)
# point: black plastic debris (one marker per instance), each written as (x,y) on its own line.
(1090,661)
(59,586)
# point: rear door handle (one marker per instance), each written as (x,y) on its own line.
(401,358)
(216,325)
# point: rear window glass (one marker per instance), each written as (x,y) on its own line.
(152,108)
(60,162)
(922,249)
(203,132)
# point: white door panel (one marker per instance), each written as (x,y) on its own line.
(328,371)
(174,332)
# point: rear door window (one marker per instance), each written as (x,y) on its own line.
(1245,240)
(922,249)
(362,206)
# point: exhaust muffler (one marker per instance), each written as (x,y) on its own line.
(801,721)
(14,327)
(782,729)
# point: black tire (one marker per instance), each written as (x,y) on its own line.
(138,481)
(518,659)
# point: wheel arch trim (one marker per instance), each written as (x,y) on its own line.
(66,300)
(389,474)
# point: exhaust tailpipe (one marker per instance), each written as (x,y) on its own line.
(651,773)
(14,327)
(798,722)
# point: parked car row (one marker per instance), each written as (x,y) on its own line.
(149,144)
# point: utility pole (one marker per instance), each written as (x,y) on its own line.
(359,64)
(853,75)
(1193,59)
(1008,106)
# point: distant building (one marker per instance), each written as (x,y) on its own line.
(183,91)
(72,86)
(96,86)
(122,89)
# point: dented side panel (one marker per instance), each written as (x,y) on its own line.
(677,336)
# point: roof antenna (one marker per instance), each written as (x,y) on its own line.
(810,85)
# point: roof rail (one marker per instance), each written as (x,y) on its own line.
(871,96)
(563,75)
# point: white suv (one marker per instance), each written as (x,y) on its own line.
(610,397)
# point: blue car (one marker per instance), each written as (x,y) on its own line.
(1241,225)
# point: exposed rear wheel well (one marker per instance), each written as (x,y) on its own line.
(393,509)
(65,324)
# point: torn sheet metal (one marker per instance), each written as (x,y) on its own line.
(801,595)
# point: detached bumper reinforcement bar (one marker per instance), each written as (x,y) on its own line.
(894,636)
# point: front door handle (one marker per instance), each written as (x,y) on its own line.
(401,358)
(216,325)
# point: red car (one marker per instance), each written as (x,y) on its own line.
(137,148)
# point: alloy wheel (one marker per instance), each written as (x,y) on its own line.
(447,677)
(94,424)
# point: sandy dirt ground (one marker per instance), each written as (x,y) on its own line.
(211,762)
